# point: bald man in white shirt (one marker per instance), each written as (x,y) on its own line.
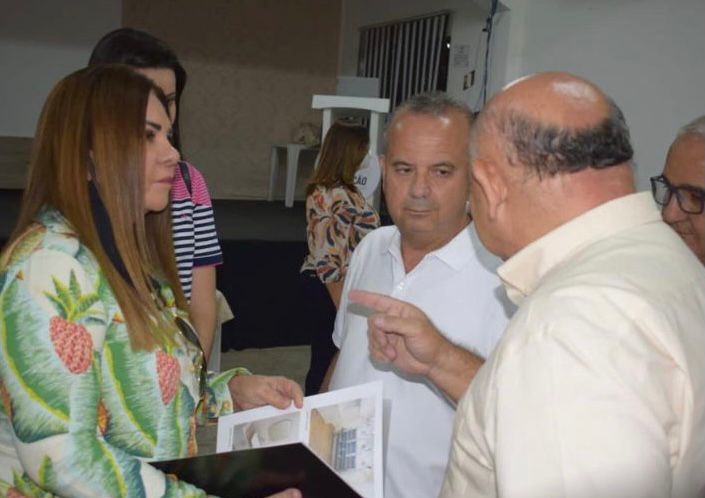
(597,387)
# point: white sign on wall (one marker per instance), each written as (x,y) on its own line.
(461,55)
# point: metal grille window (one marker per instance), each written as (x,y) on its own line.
(406,56)
(345,448)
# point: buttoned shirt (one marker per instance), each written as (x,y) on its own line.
(597,387)
(458,288)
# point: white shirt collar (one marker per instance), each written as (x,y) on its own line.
(522,272)
(455,253)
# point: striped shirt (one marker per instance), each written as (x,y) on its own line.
(195,239)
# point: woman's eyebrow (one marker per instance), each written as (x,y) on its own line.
(154,125)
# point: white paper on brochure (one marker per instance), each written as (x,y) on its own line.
(343,428)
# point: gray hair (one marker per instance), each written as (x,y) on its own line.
(437,104)
(696,127)
(549,149)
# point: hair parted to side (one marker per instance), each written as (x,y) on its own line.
(93,126)
(549,149)
(342,152)
(437,104)
(141,50)
(695,127)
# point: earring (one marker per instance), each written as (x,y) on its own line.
(467,206)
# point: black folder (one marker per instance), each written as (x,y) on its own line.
(260,472)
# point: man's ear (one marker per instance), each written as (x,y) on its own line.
(492,185)
(383,167)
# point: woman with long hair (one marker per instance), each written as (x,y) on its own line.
(100,369)
(337,217)
(195,239)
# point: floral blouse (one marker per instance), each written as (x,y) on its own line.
(337,219)
(81,412)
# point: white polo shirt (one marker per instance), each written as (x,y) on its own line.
(457,288)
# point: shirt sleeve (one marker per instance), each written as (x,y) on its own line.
(54,325)
(219,401)
(207,250)
(571,418)
(340,327)
(335,225)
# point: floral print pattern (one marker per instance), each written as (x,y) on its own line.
(337,219)
(81,412)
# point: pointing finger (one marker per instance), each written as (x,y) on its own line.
(377,302)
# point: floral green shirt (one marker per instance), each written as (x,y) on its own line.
(81,412)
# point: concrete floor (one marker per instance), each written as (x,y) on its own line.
(290,361)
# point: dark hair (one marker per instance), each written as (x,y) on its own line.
(550,149)
(142,50)
(342,152)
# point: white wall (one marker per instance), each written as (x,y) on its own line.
(252,69)
(40,42)
(649,55)
(467,22)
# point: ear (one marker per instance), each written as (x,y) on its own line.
(492,185)
(383,167)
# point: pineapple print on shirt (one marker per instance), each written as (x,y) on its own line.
(71,340)
(81,412)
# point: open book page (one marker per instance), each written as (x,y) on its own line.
(343,428)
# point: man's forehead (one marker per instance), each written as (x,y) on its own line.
(685,162)
(690,146)
(412,128)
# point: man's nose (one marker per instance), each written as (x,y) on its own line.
(420,186)
(672,212)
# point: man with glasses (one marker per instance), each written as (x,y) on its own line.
(680,190)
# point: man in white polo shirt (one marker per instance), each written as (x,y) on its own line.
(597,387)
(432,258)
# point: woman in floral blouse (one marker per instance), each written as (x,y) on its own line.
(337,218)
(100,370)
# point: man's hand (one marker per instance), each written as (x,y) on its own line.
(251,391)
(401,334)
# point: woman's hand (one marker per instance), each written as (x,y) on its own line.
(251,391)
(289,493)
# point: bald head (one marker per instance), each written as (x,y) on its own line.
(557,123)
(558,99)
(546,149)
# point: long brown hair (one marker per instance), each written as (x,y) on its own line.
(93,126)
(344,148)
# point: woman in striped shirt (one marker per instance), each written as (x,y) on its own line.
(193,224)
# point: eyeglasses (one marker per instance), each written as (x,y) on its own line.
(690,199)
